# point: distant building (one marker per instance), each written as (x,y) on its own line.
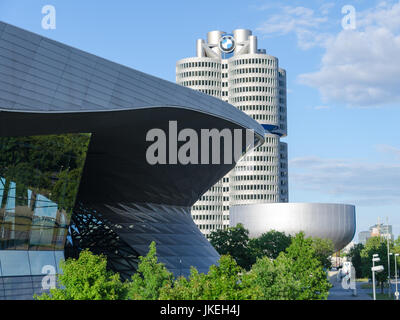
(382,230)
(377,230)
(363,236)
(374,232)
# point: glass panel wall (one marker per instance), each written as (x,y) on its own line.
(39,180)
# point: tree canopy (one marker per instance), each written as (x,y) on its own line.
(86,278)
(222,282)
(296,274)
(269,244)
(355,257)
(235,242)
(324,249)
(150,277)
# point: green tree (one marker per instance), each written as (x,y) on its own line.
(233,241)
(191,288)
(150,277)
(303,263)
(377,245)
(222,282)
(86,278)
(269,244)
(397,242)
(323,249)
(296,274)
(263,279)
(355,256)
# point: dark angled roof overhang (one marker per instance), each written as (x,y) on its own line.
(49,88)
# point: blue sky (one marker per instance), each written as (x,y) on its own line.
(344,85)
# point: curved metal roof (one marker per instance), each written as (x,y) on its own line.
(38,74)
(47,87)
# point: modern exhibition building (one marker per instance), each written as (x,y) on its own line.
(74,168)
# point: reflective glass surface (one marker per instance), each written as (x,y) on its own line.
(39,180)
(39,259)
(15,263)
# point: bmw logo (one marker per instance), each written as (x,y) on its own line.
(227,43)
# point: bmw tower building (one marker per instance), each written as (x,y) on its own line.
(233,69)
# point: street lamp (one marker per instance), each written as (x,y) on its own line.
(389,253)
(395,274)
(388,257)
(375,258)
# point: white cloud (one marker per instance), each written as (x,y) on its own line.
(326,7)
(360,67)
(383,15)
(300,20)
(389,149)
(360,183)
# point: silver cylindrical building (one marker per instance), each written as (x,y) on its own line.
(336,222)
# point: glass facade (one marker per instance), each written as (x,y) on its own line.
(39,181)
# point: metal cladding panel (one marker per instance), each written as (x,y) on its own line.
(180,244)
(74,80)
(50,88)
(323,220)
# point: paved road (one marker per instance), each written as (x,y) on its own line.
(338,293)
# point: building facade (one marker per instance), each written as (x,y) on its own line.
(232,68)
(382,230)
(377,230)
(363,236)
(74,167)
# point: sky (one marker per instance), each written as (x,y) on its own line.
(343,77)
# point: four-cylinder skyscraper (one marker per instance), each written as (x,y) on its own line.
(232,68)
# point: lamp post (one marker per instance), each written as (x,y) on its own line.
(395,270)
(375,258)
(388,255)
